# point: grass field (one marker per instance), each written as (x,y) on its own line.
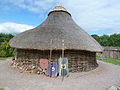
(4,58)
(108,60)
(2,89)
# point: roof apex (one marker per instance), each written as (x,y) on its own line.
(58,8)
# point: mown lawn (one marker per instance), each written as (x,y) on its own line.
(108,60)
(4,58)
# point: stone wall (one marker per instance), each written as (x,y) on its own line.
(78,61)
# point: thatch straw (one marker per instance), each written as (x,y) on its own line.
(57,27)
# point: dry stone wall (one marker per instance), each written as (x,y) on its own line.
(78,60)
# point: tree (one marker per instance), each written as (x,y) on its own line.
(5,37)
(106,40)
(6,50)
(115,40)
(96,37)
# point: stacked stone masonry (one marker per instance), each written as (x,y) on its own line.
(78,60)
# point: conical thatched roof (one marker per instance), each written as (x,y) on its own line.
(57,27)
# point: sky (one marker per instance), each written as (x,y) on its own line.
(94,16)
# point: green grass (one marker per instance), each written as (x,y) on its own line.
(108,60)
(4,58)
(2,89)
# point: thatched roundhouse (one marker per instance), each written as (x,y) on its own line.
(80,48)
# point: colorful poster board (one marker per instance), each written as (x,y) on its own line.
(63,67)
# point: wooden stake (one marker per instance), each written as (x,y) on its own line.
(51,58)
(62,59)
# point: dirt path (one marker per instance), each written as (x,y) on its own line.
(101,78)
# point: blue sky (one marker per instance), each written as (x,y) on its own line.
(94,16)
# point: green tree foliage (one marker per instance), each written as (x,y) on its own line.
(108,40)
(115,40)
(5,49)
(5,37)
(96,37)
(104,40)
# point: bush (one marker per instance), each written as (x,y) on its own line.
(6,50)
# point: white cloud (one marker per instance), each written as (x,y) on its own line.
(91,15)
(96,15)
(32,5)
(10,27)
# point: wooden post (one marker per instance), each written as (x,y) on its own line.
(62,58)
(51,58)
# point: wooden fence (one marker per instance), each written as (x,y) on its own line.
(110,52)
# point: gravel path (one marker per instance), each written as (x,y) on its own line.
(103,77)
